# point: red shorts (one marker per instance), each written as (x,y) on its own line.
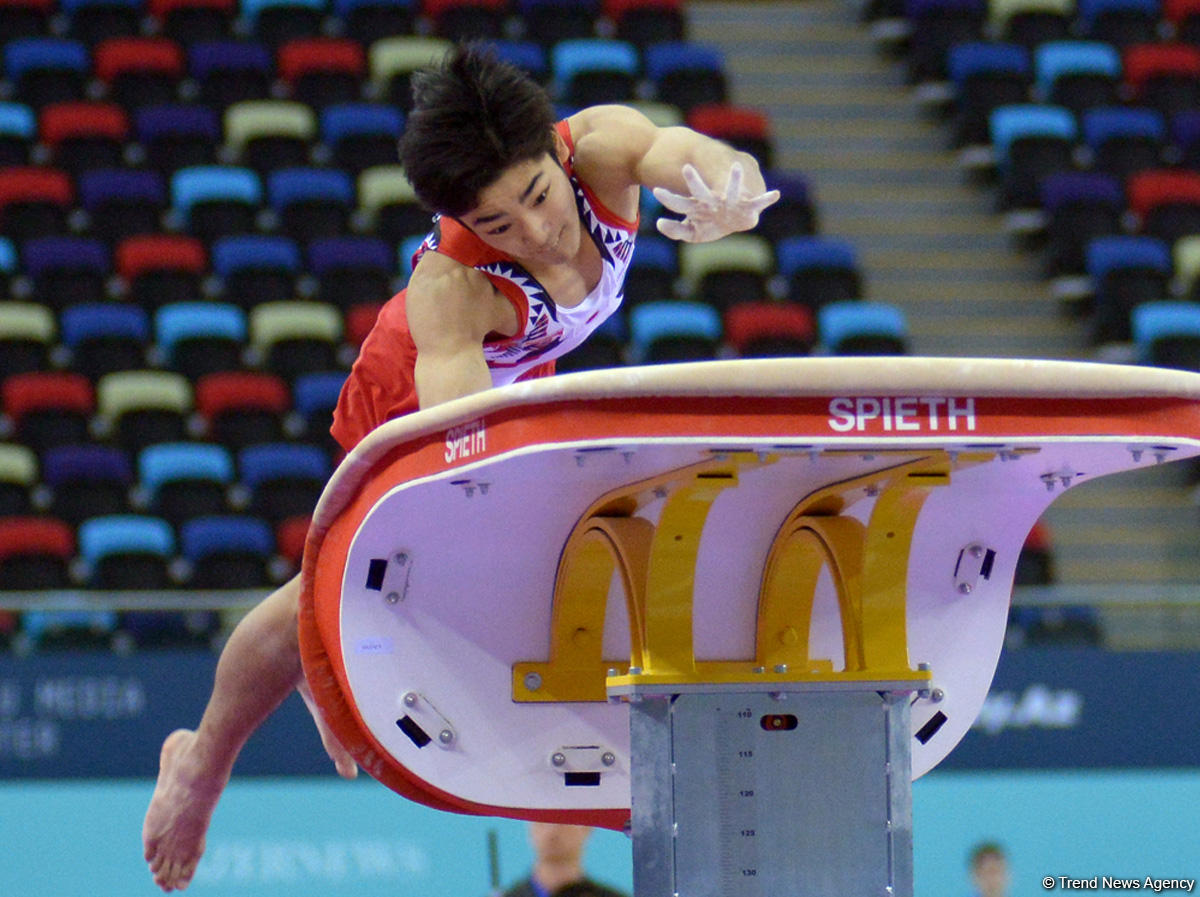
(381,385)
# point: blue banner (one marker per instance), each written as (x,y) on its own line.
(1083,708)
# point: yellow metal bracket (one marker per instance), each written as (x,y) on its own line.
(656,565)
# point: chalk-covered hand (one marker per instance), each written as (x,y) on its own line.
(708,215)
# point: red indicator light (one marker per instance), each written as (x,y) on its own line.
(778,722)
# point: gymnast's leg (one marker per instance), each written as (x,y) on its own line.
(259,667)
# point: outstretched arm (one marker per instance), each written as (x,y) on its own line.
(718,190)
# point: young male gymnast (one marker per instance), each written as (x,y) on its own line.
(533,234)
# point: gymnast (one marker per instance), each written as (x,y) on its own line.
(533,232)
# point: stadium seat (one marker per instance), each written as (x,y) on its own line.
(686,74)
(590,71)
(284,479)
(216,200)
(267,134)
(985,75)
(27,333)
(295,338)
(466,20)
(86,480)
(45,70)
(144,407)
(1031,22)
(36,553)
(34,202)
(369,20)
(194,21)
(1077,74)
(83,134)
(600,350)
(1184,18)
(198,338)
(360,319)
(664,332)
(228,551)
(159,269)
(819,270)
(1120,22)
(140,71)
(793,214)
(314,396)
(862,328)
(741,127)
(735,268)
(1078,207)
(653,270)
(362,135)
(276,22)
(182,480)
(1124,139)
(311,202)
(256,269)
(1165,76)
(1125,272)
(389,206)
(177,136)
(351,270)
(529,56)
(241,408)
(322,71)
(392,60)
(290,536)
(228,72)
(934,27)
(1185,255)
(122,202)
(93,21)
(19,475)
(8,265)
(47,408)
(646,22)
(549,21)
(770,329)
(1167,334)
(18,133)
(1030,141)
(66,270)
(1166,202)
(105,337)
(127,551)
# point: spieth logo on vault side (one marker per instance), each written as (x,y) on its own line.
(465,440)
(901,414)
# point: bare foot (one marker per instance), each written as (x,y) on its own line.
(342,759)
(179,813)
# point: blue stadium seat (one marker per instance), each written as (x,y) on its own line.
(93,21)
(361,135)
(255,268)
(1077,74)
(178,136)
(228,551)
(122,202)
(275,22)
(314,396)
(216,200)
(369,20)
(18,133)
(182,480)
(526,55)
(87,480)
(819,270)
(934,27)
(1030,141)
(284,479)
(1124,139)
(686,74)
(1167,334)
(105,337)
(985,75)
(862,328)
(228,72)
(198,338)
(66,270)
(311,202)
(793,214)
(674,331)
(127,551)
(549,21)
(1079,206)
(352,269)
(653,271)
(589,71)
(1119,22)
(45,70)
(1125,272)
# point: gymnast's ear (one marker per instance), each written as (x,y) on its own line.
(562,152)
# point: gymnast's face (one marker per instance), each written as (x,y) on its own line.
(529,212)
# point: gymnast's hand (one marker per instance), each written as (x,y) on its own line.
(708,215)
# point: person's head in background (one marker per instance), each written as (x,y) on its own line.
(557,853)
(989,869)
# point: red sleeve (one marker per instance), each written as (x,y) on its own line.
(381,384)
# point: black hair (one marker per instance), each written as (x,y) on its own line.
(473,117)
(983,851)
